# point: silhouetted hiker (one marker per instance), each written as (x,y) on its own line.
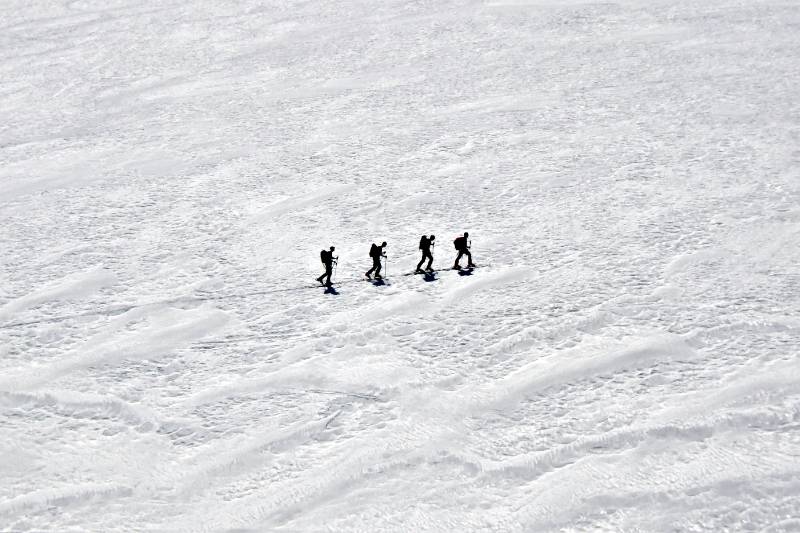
(328,260)
(425,244)
(376,252)
(462,245)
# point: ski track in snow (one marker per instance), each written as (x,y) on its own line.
(625,359)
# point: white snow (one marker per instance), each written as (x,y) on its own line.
(625,359)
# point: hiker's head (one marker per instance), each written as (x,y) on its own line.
(383,244)
(333,248)
(433,237)
(466,234)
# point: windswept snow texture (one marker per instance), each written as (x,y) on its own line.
(625,359)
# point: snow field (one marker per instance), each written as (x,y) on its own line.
(625,360)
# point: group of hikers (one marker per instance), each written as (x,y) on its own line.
(426,243)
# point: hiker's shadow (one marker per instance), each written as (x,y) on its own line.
(378,282)
(429,276)
(331,290)
(465,272)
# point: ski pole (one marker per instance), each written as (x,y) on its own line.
(335,266)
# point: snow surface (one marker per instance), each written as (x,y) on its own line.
(626,359)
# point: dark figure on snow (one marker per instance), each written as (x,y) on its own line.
(376,252)
(462,245)
(328,260)
(425,244)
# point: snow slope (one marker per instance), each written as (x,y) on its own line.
(626,359)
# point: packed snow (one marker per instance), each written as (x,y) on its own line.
(625,358)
